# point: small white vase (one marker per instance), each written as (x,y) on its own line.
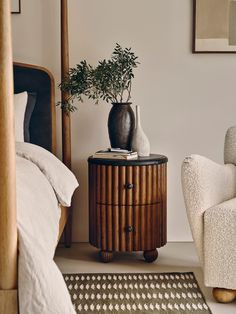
(140,142)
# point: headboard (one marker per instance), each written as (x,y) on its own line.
(39,80)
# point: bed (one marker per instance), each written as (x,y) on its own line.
(39,80)
(42,131)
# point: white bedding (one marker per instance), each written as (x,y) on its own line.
(42,181)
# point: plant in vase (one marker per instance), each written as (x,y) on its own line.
(111,81)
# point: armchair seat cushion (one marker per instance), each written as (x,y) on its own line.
(220,245)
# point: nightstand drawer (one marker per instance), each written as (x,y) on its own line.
(128,185)
(128,228)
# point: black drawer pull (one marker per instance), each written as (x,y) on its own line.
(129,186)
(129,229)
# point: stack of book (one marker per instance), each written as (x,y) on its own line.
(115,153)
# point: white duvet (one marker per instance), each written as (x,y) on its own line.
(42,183)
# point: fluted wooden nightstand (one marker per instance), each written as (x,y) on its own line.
(127,205)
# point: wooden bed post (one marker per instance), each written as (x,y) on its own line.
(66,121)
(8,227)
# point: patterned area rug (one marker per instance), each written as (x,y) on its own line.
(136,293)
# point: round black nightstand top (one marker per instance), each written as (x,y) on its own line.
(153,159)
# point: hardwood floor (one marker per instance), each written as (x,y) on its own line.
(83,258)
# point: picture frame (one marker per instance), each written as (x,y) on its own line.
(15,6)
(214,26)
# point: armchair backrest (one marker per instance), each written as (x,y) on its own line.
(230,146)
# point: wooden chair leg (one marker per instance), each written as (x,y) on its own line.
(224,295)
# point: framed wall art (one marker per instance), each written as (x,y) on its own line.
(214,26)
(15,6)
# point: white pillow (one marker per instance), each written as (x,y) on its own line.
(20,102)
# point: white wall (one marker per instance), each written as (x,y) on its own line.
(187,100)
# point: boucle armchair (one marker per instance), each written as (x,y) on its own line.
(210,197)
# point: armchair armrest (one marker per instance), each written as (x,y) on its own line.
(205,184)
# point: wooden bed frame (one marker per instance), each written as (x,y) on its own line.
(8,225)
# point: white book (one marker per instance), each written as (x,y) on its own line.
(115,155)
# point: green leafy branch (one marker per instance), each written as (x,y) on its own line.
(110,81)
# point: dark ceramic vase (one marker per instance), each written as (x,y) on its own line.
(121,123)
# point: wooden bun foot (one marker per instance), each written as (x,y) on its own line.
(224,295)
(150,256)
(106,256)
